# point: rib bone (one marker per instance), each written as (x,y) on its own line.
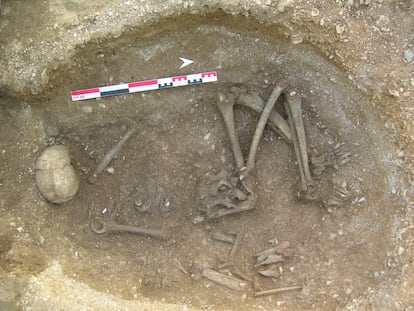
(294,111)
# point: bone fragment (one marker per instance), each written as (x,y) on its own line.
(340,193)
(237,243)
(220,202)
(218,236)
(319,163)
(272,272)
(277,291)
(270,259)
(241,275)
(112,154)
(179,266)
(226,105)
(342,155)
(274,250)
(256,284)
(260,127)
(223,279)
(237,194)
(241,207)
(225,265)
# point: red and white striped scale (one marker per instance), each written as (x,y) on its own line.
(147,85)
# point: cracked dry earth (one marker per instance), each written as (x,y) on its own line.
(336,249)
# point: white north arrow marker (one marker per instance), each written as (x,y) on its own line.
(185,61)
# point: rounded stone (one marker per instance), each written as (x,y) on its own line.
(56,178)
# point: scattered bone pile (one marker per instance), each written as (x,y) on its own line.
(267,270)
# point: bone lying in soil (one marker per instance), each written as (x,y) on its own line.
(100,226)
(111,154)
(294,111)
(224,280)
(242,198)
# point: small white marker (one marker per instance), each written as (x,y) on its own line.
(185,61)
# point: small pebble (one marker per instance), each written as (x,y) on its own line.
(87,109)
(401,250)
(296,39)
(362,200)
(408,55)
(314,12)
(110,170)
(340,29)
(394,93)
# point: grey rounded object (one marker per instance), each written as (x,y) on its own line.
(56,178)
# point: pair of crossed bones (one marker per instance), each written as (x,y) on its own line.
(235,194)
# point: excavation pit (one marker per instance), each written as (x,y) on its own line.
(342,247)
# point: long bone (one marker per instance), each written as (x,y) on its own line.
(294,111)
(111,155)
(251,160)
(225,104)
(257,104)
(100,226)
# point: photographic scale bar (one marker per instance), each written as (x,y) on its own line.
(142,86)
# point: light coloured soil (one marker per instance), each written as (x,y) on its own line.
(349,61)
